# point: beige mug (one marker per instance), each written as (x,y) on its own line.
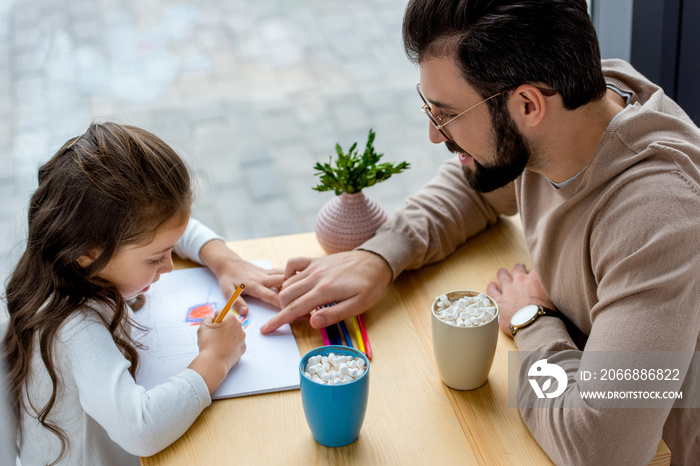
(464,355)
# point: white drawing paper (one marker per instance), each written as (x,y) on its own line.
(173,305)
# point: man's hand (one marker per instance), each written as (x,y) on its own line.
(515,291)
(231,271)
(354,280)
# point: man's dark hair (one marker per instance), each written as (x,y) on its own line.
(501,44)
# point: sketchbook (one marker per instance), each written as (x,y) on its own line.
(176,304)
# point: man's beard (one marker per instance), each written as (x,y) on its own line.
(512,155)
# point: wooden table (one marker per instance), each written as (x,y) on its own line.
(412,417)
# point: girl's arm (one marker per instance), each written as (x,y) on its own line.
(143,422)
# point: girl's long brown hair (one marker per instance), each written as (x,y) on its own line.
(112,186)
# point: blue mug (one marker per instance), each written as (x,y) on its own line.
(334,412)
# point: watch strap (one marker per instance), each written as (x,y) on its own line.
(541,311)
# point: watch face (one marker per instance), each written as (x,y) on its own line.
(524,315)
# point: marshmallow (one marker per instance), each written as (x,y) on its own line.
(313,360)
(334,370)
(468,311)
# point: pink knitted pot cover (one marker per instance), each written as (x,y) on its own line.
(347,221)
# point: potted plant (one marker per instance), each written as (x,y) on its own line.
(351,218)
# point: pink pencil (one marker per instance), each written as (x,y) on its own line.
(324,334)
(368,349)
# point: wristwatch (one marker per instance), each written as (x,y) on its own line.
(528,315)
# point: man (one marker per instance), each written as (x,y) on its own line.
(603,170)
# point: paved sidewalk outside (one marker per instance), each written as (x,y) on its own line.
(251,93)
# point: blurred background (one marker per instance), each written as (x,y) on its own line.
(252,93)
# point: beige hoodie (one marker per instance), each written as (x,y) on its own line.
(617,250)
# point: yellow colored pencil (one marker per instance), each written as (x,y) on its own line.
(230,302)
(358,334)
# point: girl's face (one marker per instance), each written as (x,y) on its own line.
(135,267)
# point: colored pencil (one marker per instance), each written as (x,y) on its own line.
(346,334)
(324,331)
(368,348)
(358,335)
(338,335)
(324,334)
(230,302)
(333,334)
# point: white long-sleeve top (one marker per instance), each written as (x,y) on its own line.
(108,418)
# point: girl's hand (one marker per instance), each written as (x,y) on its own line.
(220,348)
(231,270)
(259,283)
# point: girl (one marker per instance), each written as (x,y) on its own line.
(110,208)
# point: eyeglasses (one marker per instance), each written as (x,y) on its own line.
(438,122)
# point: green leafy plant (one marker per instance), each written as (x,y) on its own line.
(353,172)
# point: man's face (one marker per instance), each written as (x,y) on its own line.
(512,155)
(491,149)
